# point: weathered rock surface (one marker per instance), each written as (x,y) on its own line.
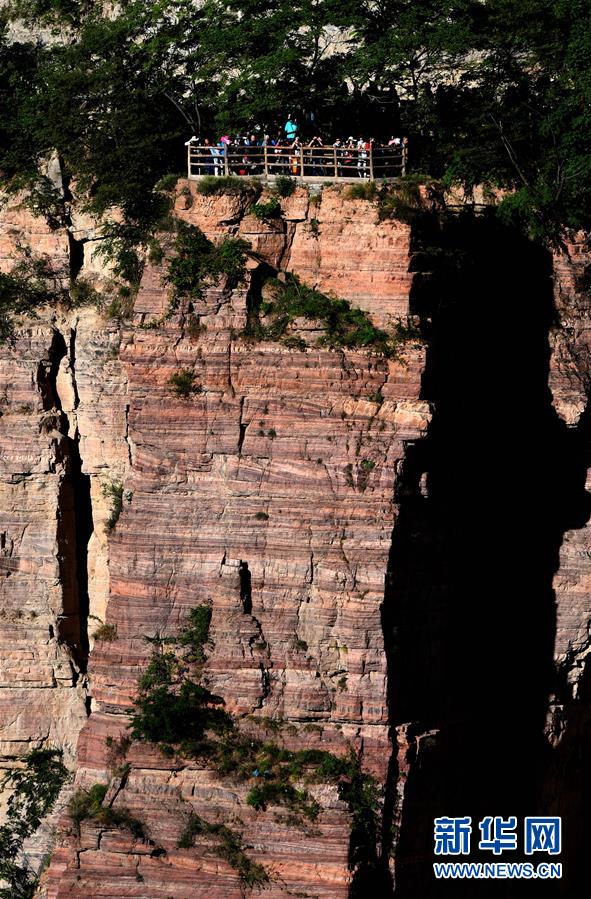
(284,461)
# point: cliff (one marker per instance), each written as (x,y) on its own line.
(284,494)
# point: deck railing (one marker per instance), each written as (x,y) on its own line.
(312,163)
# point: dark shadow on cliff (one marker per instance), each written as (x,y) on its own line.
(469,615)
(74,511)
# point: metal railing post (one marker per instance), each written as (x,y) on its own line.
(403,160)
(336,169)
(266,161)
(226,163)
(371,178)
(189,159)
(301,162)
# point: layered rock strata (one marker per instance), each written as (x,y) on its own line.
(288,462)
(284,462)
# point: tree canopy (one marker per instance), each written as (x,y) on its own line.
(488,91)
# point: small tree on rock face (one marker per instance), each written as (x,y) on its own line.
(198,262)
(183,383)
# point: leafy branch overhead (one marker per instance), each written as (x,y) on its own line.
(493,91)
(33,791)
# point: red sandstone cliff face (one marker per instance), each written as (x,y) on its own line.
(295,435)
(276,431)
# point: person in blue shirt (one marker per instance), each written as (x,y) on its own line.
(290,128)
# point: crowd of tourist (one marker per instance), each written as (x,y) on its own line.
(287,153)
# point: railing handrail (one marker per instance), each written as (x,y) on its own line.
(309,162)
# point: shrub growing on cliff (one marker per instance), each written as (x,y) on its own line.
(344,325)
(171,708)
(273,793)
(195,635)
(89,805)
(210,186)
(366,190)
(34,789)
(20,295)
(114,492)
(402,201)
(285,186)
(269,210)
(183,383)
(229,846)
(105,633)
(198,262)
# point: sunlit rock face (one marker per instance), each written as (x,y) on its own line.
(288,461)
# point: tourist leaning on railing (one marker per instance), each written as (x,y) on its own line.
(252,155)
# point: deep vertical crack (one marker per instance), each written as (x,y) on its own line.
(74,506)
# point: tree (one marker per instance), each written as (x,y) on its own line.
(492,91)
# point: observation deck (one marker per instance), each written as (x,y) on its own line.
(306,163)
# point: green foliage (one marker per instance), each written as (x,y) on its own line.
(230,259)
(114,492)
(21,294)
(285,186)
(88,805)
(155,252)
(261,516)
(408,331)
(34,791)
(183,383)
(120,306)
(229,846)
(402,200)
(195,634)
(345,325)
(16,298)
(273,793)
(229,185)
(172,708)
(269,210)
(198,262)
(69,12)
(185,713)
(194,326)
(365,190)
(360,792)
(169,181)
(82,293)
